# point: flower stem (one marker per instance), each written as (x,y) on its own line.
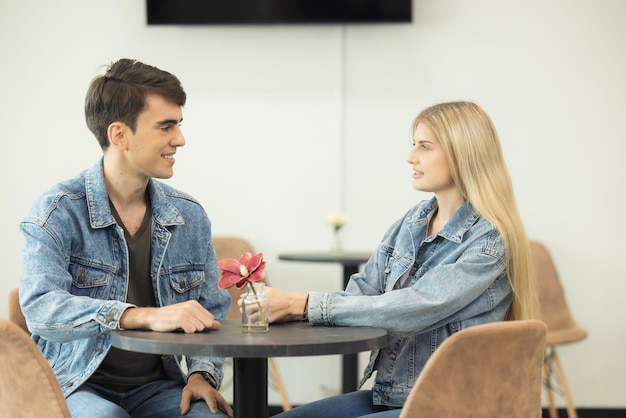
(256,297)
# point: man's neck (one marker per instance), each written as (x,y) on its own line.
(127,193)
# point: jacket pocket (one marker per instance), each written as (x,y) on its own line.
(186,280)
(89,281)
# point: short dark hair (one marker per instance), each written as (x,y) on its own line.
(120,95)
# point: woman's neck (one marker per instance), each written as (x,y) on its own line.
(447,205)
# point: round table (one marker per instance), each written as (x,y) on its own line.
(251,350)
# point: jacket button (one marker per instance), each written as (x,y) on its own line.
(81,278)
(120,271)
(110,316)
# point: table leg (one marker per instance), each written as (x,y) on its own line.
(350,373)
(250,388)
(350,376)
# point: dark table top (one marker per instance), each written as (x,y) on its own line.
(344,257)
(282,340)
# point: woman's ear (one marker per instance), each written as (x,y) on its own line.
(116,133)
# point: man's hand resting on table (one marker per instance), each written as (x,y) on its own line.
(187,316)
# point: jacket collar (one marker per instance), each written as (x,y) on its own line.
(163,210)
(462,220)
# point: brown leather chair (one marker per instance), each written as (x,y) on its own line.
(15,311)
(28,387)
(562,328)
(485,371)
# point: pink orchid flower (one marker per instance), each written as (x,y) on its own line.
(249,268)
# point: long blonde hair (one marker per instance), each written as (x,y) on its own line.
(470,142)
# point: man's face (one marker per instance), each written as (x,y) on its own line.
(150,150)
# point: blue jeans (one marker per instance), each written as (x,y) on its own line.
(349,405)
(156,399)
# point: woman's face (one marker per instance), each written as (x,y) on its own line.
(431,172)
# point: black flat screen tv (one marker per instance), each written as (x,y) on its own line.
(259,12)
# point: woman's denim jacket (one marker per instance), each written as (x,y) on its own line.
(75,263)
(456,279)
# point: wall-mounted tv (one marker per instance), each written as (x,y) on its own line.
(254,12)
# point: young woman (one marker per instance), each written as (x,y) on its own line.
(457,260)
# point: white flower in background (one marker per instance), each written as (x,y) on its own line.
(337,220)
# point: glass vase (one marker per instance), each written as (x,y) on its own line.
(336,247)
(255,309)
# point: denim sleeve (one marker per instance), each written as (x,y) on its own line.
(450,281)
(215,300)
(211,365)
(51,311)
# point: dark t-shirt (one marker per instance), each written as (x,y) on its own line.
(123,370)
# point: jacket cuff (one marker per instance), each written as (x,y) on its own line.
(208,377)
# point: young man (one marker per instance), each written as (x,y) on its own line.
(113,248)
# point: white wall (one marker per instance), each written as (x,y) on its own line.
(284,123)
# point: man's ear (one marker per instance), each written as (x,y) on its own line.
(117,134)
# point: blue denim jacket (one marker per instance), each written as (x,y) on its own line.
(456,279)
(75,263)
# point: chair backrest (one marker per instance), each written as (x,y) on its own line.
(232,247)
(485,371)
(554,311)
(28,387)
(14,310)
